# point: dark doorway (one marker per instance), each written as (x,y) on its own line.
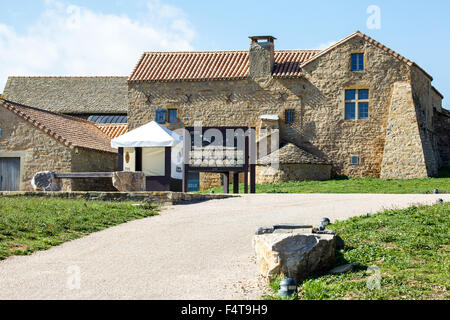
(9,174)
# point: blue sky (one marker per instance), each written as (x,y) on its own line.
(106,37)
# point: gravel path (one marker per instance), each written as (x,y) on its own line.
(197,251)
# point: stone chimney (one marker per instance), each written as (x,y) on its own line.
(262,56)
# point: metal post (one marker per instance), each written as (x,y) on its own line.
(226,182)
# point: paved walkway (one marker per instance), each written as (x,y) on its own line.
(197,251)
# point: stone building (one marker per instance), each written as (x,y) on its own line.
(358,106)
(34,140)
(100,99)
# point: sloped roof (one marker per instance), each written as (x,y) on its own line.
(70,131)
(73,95)
(212,65)
(234,65)
(371,41)
(113,130)
(291,154)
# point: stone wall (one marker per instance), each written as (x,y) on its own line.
(159,198)
(292,172)
(442,129)
(318,98)
(403,155)
(423,102)
(37,151)
(88,160)
(209,180)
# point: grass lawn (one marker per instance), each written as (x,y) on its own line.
(356,185)
(411,247)
(32,224)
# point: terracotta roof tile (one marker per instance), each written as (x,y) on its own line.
(212,65)
(70,131)
(113,130)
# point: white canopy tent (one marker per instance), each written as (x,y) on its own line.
(149,135)
(153,139)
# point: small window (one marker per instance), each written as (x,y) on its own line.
(356,103)
(355,160)
(160,116)
(290,116)
(357,62)
(1,132)
(173,115)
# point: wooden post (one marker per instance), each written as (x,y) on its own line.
(236,182)
(252,178)
(226,182)
(120,160)
(185,178)
(252,146)
(247,161)
(186,155)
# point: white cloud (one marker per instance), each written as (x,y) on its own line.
(73,40)
(325,45)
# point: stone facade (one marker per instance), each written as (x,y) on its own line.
(397,92)
(292,172)
(40,152)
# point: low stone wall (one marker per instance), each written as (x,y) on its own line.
(292,172)
(161,198)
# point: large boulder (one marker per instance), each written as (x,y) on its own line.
(46,181)
(295,253)
(125,181)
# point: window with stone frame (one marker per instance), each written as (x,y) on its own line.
(357,62)
(356,104)
(355,160)
(290,116)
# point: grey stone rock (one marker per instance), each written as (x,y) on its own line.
(46,181)
(129,181)
(297,254)
(344,268)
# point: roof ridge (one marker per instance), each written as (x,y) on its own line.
(67,77)
(224,51)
